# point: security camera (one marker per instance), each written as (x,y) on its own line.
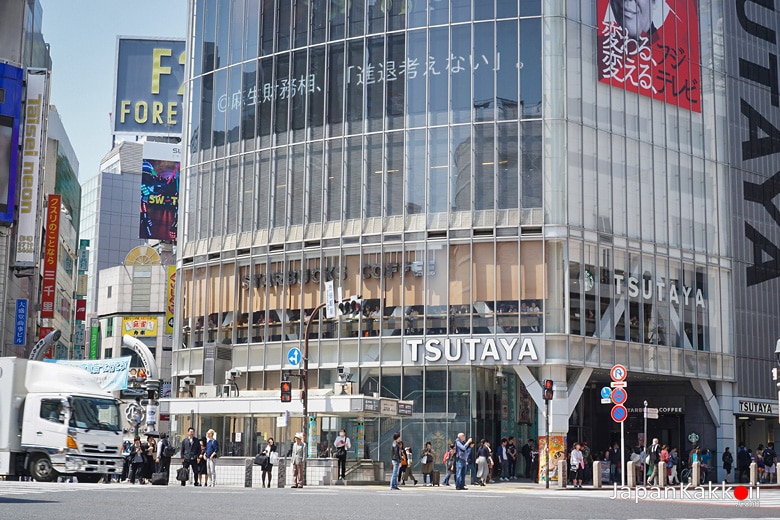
(235,372)
(187,381)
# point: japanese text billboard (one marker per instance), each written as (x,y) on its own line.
(49,284)
(160,192)
(170,298)
(651,47)
(10,120)
(149,86)
(110,374)
(139,326)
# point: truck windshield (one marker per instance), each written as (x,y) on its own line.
(94,414)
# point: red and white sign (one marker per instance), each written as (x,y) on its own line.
(618,373)
(81,309)
(49,284)
(651,47)
(619,413)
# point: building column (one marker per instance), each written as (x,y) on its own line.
(727,429)
(566,394)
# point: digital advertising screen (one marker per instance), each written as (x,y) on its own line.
(159,200)
(10,120)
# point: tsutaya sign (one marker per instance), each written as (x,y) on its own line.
(489,350)
(647,288)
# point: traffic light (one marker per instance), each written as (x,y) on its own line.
(286,391)
(548,389)
(352,307)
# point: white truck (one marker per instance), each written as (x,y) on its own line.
(55,420)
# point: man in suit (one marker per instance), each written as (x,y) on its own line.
(190,450)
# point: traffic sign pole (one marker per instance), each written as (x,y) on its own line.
(622,453)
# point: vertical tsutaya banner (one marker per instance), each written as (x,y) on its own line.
(10,120)
(160,192)
(651,47)
(49,283)
(34,113)
(149,86)
(170,299)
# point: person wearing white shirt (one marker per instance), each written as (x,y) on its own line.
(342,445)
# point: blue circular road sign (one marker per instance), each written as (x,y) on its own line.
(294,356)
(606,392)
(619,395)
(619,413)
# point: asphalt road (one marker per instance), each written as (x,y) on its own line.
(64,501)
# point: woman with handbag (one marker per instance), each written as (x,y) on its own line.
(577,462)
(427,464)
(483,462)
(342,445)
(272,458)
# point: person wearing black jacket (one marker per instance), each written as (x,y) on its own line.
(395,456)
(615,464)
(190,451)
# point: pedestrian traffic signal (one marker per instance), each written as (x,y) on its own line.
(286,391)
(352,307)
(548,389)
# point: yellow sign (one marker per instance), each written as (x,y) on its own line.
(170,298)
(139,325)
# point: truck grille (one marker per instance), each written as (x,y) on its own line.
(95,449)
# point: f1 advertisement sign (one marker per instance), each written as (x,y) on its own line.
(10,121)
(149,86)
(160,192)
(651,47)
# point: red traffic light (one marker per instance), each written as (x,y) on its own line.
(548,389)
(286,391)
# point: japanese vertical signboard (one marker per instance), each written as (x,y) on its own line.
(20,322)
(49,284)
(94,337)
(170,299)
(34,112)
(651,47)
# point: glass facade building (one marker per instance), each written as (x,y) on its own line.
(522,185)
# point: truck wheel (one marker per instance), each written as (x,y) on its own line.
(89,478)
(41,469)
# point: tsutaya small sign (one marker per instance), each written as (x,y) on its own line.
(490,350)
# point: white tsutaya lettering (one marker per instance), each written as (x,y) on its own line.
(448,349)
(415,346)
(472,344)
(673,298)
(527,349)
(699,299)
(647,289)
(686,293)
(490,350)
(633,287)
(618,283)
(660,286)
(433,353)
(508,346)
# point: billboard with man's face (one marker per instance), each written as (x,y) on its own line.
(651,47)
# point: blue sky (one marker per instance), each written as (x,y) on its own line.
(82,38)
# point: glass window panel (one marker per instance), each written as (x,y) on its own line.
(236,30)
(314,92)
(484,167)
(394,85)
(675,309)
(530,7)
(223,27)
(394,198)
(615,307)
(231,178)
(335,89)
(376,15)
(618,182)
(218,199)
(461,10)
(278,216)
(218,114)
(673,196)
(577,281)
(483,63)
(282,97)
(267,27)
(438,176)
(249,94)
(297,184)
(633,289)
(301,22)
(374,174)
(484,10)
(418,13)
(333,183)
(207,8)
(263,193)
(592,284)
(660,196)
(390,383)
(439,12)
(415,172)
(298,95)
(507,166)
(435,390)
(396,16)
(251,29)
(319,14)
(687,294)
(356,78)
(661,316)
(352,178)
(357,14)
(338,14)
(646,189)
(416,53)
(375,58)
(531,146)
(265,83)
(194,119)
(435,68)
(248,191)
(531,70)
(506,8)
(506,70)
(459,68)
(234,107)
(284,19)
(315,175)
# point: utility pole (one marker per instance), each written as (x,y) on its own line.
(305,380)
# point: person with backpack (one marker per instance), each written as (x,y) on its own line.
(395,456)
(743,462)
(674,460)
(770,463)
(654,457)
(164,454)
(449,463)
(728,461)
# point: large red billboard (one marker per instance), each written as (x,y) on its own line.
(651,47)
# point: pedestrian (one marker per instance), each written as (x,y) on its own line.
(527,453)
(615,464)
(298,455)
(743,463)
(759,455)
(674,461)
(588,459)
(212,452)
(150,456)
(164,452)
(402,463)
(483,462)
(728,459)
(272,457)
(409,465)
(511,450)
(462,452)
(503,461)
(395,457)
(576,466)
(652,459)
(770,463)
(202,468)
(449,463)
(426,460)
(190,451)
(137,459)
(342,445)
(663,470)
(471,466)
(127,460)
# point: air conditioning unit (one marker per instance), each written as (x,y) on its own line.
(343,388)
(206,391)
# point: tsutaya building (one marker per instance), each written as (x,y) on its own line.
(517,191)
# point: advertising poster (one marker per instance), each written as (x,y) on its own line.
(49,283)
(149,86)
(651,47)
(139,326)
(557,453)
(160,192)
(170,298)
(10,121)
(110,374)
